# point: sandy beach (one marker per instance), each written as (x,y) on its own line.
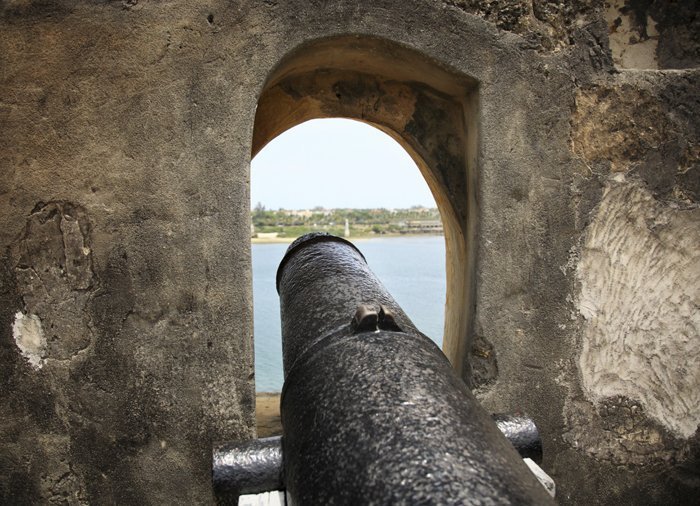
(289,240)
(272,240)
(267,414)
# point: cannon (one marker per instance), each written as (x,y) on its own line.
(372,411)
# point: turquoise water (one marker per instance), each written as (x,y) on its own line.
(412,269)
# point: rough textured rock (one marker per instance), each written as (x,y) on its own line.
(569,184)
(640,290)
(644,124)
(53,271)
(544,24)
(654,34)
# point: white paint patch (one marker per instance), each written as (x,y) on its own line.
(30,339)
(546,480)
(640,293)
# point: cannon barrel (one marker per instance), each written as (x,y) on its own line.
(372,411)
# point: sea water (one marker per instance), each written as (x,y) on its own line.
(412,269)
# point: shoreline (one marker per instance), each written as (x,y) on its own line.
(267,414)
(289,240)
(272,240)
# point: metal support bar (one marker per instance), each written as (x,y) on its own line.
(248,467)
(522,433)
(255,466)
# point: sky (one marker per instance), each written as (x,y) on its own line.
(336,163)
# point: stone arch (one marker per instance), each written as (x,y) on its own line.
(429,109)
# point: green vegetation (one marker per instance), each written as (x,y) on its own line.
(362,222)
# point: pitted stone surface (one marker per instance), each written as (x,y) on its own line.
(53,269)
(640,290)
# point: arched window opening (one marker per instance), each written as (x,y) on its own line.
(431,111)
(350,179)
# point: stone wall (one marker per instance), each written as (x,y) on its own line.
(126,132)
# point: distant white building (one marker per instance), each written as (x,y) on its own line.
(302,213)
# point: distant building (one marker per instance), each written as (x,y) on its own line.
(423,226)
(303,213)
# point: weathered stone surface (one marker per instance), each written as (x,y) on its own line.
(640,290)
(654,34)
(545,25)
(125,308)
(646,125)
(53,270)
(483,363)
(134,265)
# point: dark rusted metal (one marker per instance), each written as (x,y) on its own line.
(372,411)
(387,320)
(255,466)
(366,319)
(247,467)
(522,433)
(378,416)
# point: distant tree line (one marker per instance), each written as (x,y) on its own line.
(292,223)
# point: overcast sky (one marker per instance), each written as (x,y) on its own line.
(336,163)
